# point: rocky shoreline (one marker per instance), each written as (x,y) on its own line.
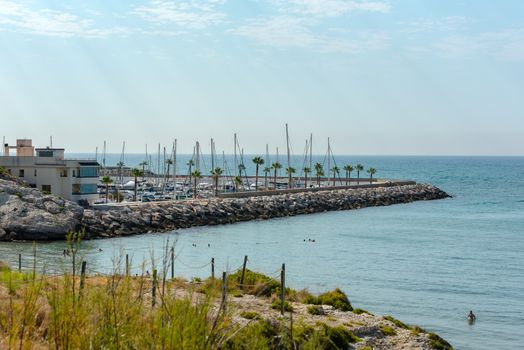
(27,214)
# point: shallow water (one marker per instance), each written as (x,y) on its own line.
(426,263)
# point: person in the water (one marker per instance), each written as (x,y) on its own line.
(471,316)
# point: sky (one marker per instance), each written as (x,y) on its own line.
(392,77)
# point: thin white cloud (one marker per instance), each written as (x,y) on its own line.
(329,8)
(17,17)
(297,32)
(195,14)
(505,45)
(444,24)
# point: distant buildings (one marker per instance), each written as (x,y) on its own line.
(48,170)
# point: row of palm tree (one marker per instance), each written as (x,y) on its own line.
(258,161)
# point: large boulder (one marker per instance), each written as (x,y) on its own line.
(27,214)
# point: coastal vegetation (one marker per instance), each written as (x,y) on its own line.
(121,311)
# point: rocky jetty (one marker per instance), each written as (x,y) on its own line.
(165,216)
(28,214)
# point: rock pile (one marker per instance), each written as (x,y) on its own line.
(166,216)
(27,214)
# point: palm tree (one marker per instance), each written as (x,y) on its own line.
(143,165)
(136,173)
(371,172)
(106,180)
(196,175)
(348,168)
(307,170)
(359,168)
(258,162)
(336,171)
(276,166)
(241,168)
(267,170)
(169,162)
(290,171)
(319,171)
(238,182)
(216,175)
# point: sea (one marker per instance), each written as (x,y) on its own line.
(426,263)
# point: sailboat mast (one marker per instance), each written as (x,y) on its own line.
(311,151)
(96,153)
(329,163)
(267,154)
(104,157)
(174,169)
(235,153)
(197,160)
(212,155)
(158,166)
(287,142)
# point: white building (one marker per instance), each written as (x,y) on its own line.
(48,170)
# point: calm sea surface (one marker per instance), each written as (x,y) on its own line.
(426,263)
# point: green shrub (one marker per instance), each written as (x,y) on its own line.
(250,315)
(416,330)
(254,283)
(387,330)
(360,311)
(335,298)
(315,310)
(438,343)
(396,322)
(277,303)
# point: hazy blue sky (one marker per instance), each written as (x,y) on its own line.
(378,77)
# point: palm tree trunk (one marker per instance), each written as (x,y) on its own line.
(107,192)
(346,177)
(358,177)
(216,185)
(195,188)
(136,185)
(371,179)
(349,177)
(305,180)
(256,179)
(275,180)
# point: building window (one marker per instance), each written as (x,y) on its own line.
(88,172)
(74,173)
(63,173)
(47,154)
(46,189)
(35,172)
(84,188)
(21,172)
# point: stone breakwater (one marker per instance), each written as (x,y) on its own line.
(165,216)
(28,214)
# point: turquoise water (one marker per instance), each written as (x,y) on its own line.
(426,263)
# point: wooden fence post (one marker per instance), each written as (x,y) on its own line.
(243,273)
(224,291)
(82,276)
(154,288)
(127,265)
(282,288)
(19,262)
(172,263)
(213,269)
